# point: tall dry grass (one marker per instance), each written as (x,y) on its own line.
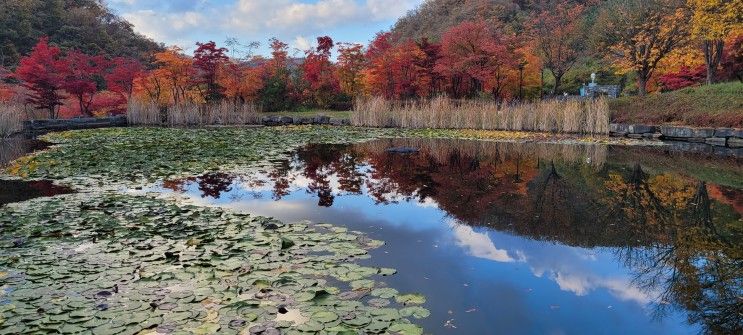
(192,114)
(11,117)
(561,116)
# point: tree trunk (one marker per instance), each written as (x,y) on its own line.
(556,88)
(713,50)
(541,83)
(642,84)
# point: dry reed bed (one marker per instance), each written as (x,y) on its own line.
(560,116)
(442,149)
(11,117)
(192,114)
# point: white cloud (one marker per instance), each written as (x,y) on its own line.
(171,22)
(171,28)
(301,43)
(567,267)
(478,244)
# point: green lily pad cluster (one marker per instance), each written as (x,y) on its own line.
(135,155)
(107,263)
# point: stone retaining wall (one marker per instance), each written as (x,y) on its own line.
(720,137)
(39,127)
(317,120)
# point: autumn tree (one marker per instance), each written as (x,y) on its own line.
(732,62)
(712,22)
(207,59)
(475,58)
(397,72)
(377,76)
(124,71)
(276,88)
(153,86)
(81,76)
(557,29)
(241,83)
(319,73)
(638,34)
(427,64)
(42,73)
(350,64)
(175,74)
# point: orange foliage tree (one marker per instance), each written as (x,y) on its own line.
(241,83)
(638,34)
(174,74)
(351,62)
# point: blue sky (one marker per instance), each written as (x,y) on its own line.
(297,22)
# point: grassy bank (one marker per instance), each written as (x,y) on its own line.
(571,116)
(719,105)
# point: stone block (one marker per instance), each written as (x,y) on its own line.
(716,141)
(728,132)
(286,120)
(640,129)
(674,132)
(322,119)
(735,142)
(618,128)
(690,147)
(729,152)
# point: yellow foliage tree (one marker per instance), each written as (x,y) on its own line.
(712,22)
(638,34)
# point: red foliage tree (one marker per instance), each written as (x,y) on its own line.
(558,33)
(42,73)
(81,76)
(432,54)
(402,71)
(732,61)
(121,77)
(207,59)
(6,91)
(320,74)
(475,58)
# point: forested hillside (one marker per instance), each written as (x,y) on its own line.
(434,17)
(71,24)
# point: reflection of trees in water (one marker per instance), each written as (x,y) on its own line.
(318,163)
(665,227)
(686,253)
(16,190)
(211,184)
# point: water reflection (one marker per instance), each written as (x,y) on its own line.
(649,240)
(17,191)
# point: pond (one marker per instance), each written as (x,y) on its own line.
(522,238)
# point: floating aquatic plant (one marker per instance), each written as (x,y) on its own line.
(112,263)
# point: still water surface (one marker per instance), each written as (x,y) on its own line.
(524,238)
